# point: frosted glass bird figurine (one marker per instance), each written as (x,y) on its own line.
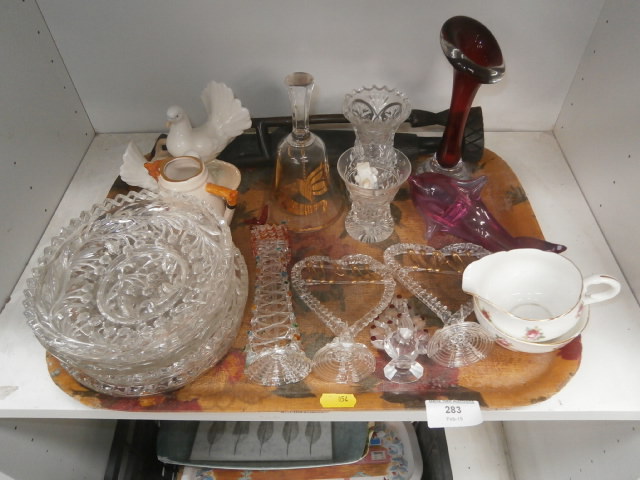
(227,119)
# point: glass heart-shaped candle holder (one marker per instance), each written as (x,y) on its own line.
(354,286)
(434,277)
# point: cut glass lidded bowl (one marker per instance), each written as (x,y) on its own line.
(140,294)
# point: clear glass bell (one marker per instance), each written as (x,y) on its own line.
(304,197)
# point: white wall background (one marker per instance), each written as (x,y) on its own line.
(54,449)
(574,450)
(599,130)
(131,59)
(44,132)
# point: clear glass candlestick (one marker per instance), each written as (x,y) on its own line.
(305,197)
(372,184)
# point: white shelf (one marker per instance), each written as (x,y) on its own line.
(603,387)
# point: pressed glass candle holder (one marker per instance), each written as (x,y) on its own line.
(274,354)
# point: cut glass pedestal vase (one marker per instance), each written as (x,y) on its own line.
(304,197)
(477,59)
(373,170)
(376,113)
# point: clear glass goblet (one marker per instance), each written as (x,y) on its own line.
(372,184)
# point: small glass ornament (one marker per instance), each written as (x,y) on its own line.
(305,197)
(403,343)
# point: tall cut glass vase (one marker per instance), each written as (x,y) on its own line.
(373,170)
(304,196)
(476,58)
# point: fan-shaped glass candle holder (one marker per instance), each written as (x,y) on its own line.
(140,294)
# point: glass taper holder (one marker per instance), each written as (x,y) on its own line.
(274,354)
(304,197)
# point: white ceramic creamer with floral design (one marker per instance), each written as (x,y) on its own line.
(533,295)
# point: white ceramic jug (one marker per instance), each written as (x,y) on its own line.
(527,290)
(215,183)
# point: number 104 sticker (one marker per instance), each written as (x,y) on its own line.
(453,413)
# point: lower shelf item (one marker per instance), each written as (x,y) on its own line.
(392,453)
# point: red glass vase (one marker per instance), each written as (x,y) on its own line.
(477,59)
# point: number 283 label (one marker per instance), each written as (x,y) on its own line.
(452,413)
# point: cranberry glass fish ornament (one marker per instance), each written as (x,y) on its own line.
(454,206)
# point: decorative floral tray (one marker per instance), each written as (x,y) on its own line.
(504,379)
